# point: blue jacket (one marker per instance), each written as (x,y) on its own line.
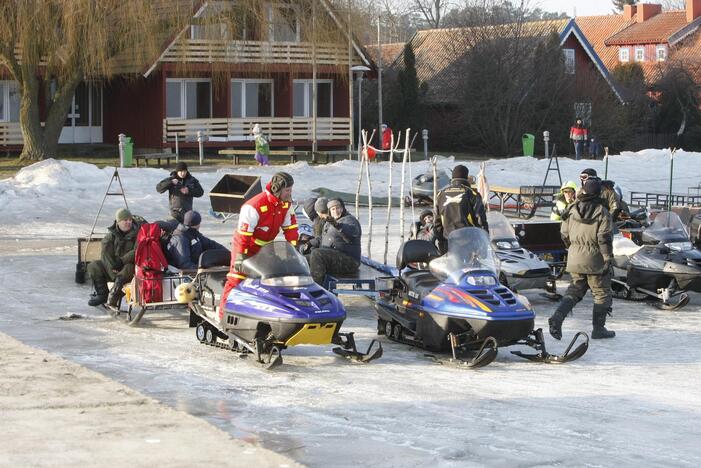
(186,245)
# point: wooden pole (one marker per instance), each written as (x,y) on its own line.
(367,177)
(389,194)
(350,82)
(314,70)
(401,191)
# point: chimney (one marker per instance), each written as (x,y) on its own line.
(647,11)
(629,12)
(693,10)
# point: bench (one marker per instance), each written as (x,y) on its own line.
(527,198)
(237,153)
(157,156)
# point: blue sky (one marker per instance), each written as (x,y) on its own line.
(584,7)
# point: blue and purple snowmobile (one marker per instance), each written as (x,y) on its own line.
(454,303)
(279,305)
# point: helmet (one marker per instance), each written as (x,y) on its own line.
(305,230)
(185,293)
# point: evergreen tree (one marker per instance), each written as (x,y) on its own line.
(619,4)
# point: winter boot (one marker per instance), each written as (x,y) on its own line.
(555,322)
(599,320)
(116,293)
(99,297)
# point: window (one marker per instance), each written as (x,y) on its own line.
(284,23)
(639,54)
(9,101)
(188,98)
(302,98)
(661,53)
(623,54)
(569,61)
(252,98)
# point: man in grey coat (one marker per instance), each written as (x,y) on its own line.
(339,251)
(587,233)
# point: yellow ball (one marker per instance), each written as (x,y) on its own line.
(185,293)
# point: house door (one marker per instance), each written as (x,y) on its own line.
(84,119)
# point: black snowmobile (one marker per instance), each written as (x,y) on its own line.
(455,303)
(656,262)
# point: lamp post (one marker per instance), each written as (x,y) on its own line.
(359,71)
(546,139)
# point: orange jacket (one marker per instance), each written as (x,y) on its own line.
(579,133)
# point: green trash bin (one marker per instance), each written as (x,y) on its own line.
(528,141)
(128,152)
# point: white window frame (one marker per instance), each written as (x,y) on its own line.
(6,100)
(308,97)
(243,81)
(271,26)
(183,95)
(624,54)
(642,52)
(661,57)
(570,61)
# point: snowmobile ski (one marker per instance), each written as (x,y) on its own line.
(536,341)
(349,350)
(668,305)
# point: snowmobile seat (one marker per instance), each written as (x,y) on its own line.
(214,258)
(416,251)
(421,282)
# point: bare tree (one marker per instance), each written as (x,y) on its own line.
(432,11)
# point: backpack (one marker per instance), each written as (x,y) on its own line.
(150,263)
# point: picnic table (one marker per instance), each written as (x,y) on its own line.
(237,153)
(157,156)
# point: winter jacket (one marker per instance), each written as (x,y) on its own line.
(610,201)
(386,138)
(343,234)
(459,206)
(118,247)
(578,133)
(426,232)
(180,203)
(559,208)
(186,245)
(260,221)
(586,231)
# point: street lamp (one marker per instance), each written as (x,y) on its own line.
(359,71)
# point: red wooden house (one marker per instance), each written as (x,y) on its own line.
(206,81)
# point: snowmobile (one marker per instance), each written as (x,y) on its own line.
(455,303)
(662,266)
(518,268)
(422,188)
(276,307)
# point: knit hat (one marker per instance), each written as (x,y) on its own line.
(607,184)
(256,129)
(589,172)
(569,185)
(192,218)
(591,187)
(321,205)
(122,214)
(460,172)
(423,215)
(335,202)
(180,166)
(280,181)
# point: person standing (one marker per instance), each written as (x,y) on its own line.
(608,195)
(587,233)
(260,220)
(459,206)
(262,147)
(116,260)
(182,187)
(579,136)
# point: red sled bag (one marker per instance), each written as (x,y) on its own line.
(150,263)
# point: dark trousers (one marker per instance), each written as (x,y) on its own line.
(100,274)
(600,286)
(324,260)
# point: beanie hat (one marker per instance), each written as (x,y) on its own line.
(180,166)
(589,172)
(569,185)
(460,172)
(192,218)
(425,213)
(592,187)
(122,214)
(280,181)
(335,202)
(607,184)
(321,205)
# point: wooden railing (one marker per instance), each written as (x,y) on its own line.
(209,51)
(11,134)
(276,128)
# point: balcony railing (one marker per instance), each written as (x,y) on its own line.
(11,134)
(209,51)
(276,128)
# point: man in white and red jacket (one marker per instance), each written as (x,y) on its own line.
(579,136)
(260,220)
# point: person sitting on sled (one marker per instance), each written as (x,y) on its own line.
(424,228)
(260,220)
(187,243)
(116,260)
(262,147)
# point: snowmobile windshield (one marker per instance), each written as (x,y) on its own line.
(469,251)
(276,260)
(667,228)
(501,232)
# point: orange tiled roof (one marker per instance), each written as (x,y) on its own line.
(390,52)
(655,30)
(599,28)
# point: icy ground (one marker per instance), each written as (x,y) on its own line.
(630,401)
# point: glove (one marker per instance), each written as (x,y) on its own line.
(118,264)
(238,261)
